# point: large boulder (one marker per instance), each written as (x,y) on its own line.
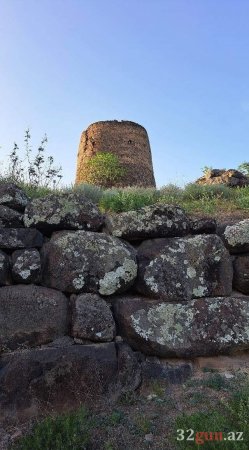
(231,178)
(241,274)
(5,274)
(9,218)
(13,197)
(31,315)
(64,378)
(149,222)
(26,266)
(63,212)
(17,238)
(92,318)
(201,327)
(82,261)
(183,268)
(236,237)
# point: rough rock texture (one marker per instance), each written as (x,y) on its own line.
(183,268)
(202,327)
(63,212)
(231,178)
(5,277)
(130,372)
(149,222)
(82,261)
(175,372)
(31,315)
(203,225)
(9,218)
(60,378)
(17,238)
(13,197)
(236,237)
(92,318)
(128,141)
(26,266)
(241,274)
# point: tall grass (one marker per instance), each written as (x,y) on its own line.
(193,198)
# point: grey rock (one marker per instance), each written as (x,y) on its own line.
(13,197)
(61,378)
(9,218)
(236,237)
(5,274)
(31,316)
(82,261)
(183,268)
(241,274)
(17,238)
(26,266)
(130,373)
(203,226)
(92,318)
(63,212)
(149,222)
(174,372)
(201,327)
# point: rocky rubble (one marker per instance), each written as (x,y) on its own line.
(90,304)
(231,178)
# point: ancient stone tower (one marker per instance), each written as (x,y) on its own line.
(128,140)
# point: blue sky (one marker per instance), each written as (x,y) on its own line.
(180,68)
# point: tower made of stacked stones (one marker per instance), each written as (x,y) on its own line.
(128,141)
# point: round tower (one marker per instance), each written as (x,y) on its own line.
(128,141)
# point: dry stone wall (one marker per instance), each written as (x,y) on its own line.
(127,140)
(86,301)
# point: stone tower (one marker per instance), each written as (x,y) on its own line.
(128,140)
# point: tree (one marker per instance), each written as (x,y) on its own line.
(244,168)
(104,169)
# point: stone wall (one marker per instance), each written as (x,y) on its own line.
(128,140)
(92,305)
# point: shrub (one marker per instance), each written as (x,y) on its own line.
(194,191)
(104,169)
(35,170)
(244,168)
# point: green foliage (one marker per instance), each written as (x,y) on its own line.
(206,169)
(68,431)
(104,169)
(231,415)
(128,199)
(170,193)
(216,381)
(244,168)
(92,192)
(194,191)
(143,425)
(35,170)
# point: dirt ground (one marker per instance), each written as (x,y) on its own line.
(145,419)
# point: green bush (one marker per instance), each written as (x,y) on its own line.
(194,191)
(104,169)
